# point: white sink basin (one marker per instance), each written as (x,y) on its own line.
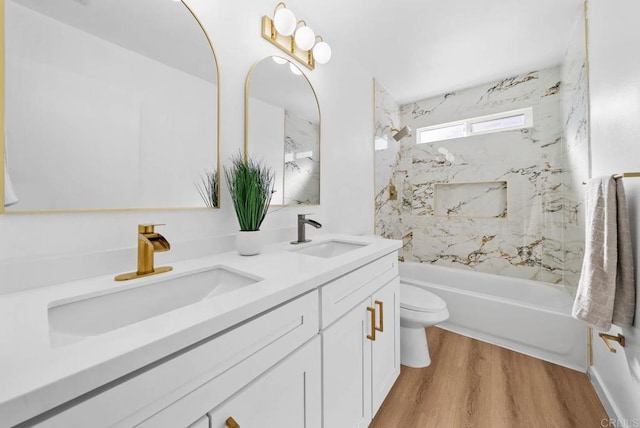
(328,249)
(70,322)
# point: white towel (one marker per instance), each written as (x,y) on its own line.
(606,292)
(624,307)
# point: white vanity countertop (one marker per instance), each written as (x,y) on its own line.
(35,377)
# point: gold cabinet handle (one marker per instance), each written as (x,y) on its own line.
(372,336)
(380,306)
(231,423)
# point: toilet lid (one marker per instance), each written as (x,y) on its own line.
(419,299)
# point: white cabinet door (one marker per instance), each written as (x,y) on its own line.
(346,359)
(203,422)
(385,354)
(287,396)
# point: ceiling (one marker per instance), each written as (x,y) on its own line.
(414,48)
(421,48)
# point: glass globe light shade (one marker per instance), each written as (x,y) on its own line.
(279,60)
(322,53)
(295,70)
(305,38)
(285,21)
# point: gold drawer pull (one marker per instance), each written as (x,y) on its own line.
(372,336)
(231,423)
(381,307)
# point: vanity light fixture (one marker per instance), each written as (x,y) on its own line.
(284,20)
(294,37)
(322,51)
(304,36)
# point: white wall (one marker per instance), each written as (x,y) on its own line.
(614,84)
(31,243)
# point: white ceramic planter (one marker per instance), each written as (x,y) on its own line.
(249,243)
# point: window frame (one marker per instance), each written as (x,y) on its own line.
(527,112)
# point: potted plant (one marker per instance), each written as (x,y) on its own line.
(251,186)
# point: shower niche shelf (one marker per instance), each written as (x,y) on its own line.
(477,199)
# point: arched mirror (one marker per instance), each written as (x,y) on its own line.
(110,104)
(282,128)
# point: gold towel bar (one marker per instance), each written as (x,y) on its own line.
(627,174)
(623,175)
(607,337)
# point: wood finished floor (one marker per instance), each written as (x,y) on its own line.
(477,385)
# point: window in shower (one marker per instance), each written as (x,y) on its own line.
(505,121)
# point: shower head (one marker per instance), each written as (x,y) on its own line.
(401,133)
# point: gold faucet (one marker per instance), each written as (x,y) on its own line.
(149,242)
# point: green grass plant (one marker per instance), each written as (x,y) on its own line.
(208,189)
(251,184)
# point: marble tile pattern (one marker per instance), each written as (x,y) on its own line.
(471,200)
(391,220)
(575,152)
(302,166)
(527,243)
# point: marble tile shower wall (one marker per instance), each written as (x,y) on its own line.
(302,173)
(526,243)
(575,155)
(389,219)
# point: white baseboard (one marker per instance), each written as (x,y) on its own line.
(603,394)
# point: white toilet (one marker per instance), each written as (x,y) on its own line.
(419,309)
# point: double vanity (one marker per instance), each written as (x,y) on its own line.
(299,336)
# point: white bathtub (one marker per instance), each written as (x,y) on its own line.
(530,317)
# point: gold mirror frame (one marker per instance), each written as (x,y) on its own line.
(2,131)
(2,105)
(246,124)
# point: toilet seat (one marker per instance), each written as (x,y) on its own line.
(419,299)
